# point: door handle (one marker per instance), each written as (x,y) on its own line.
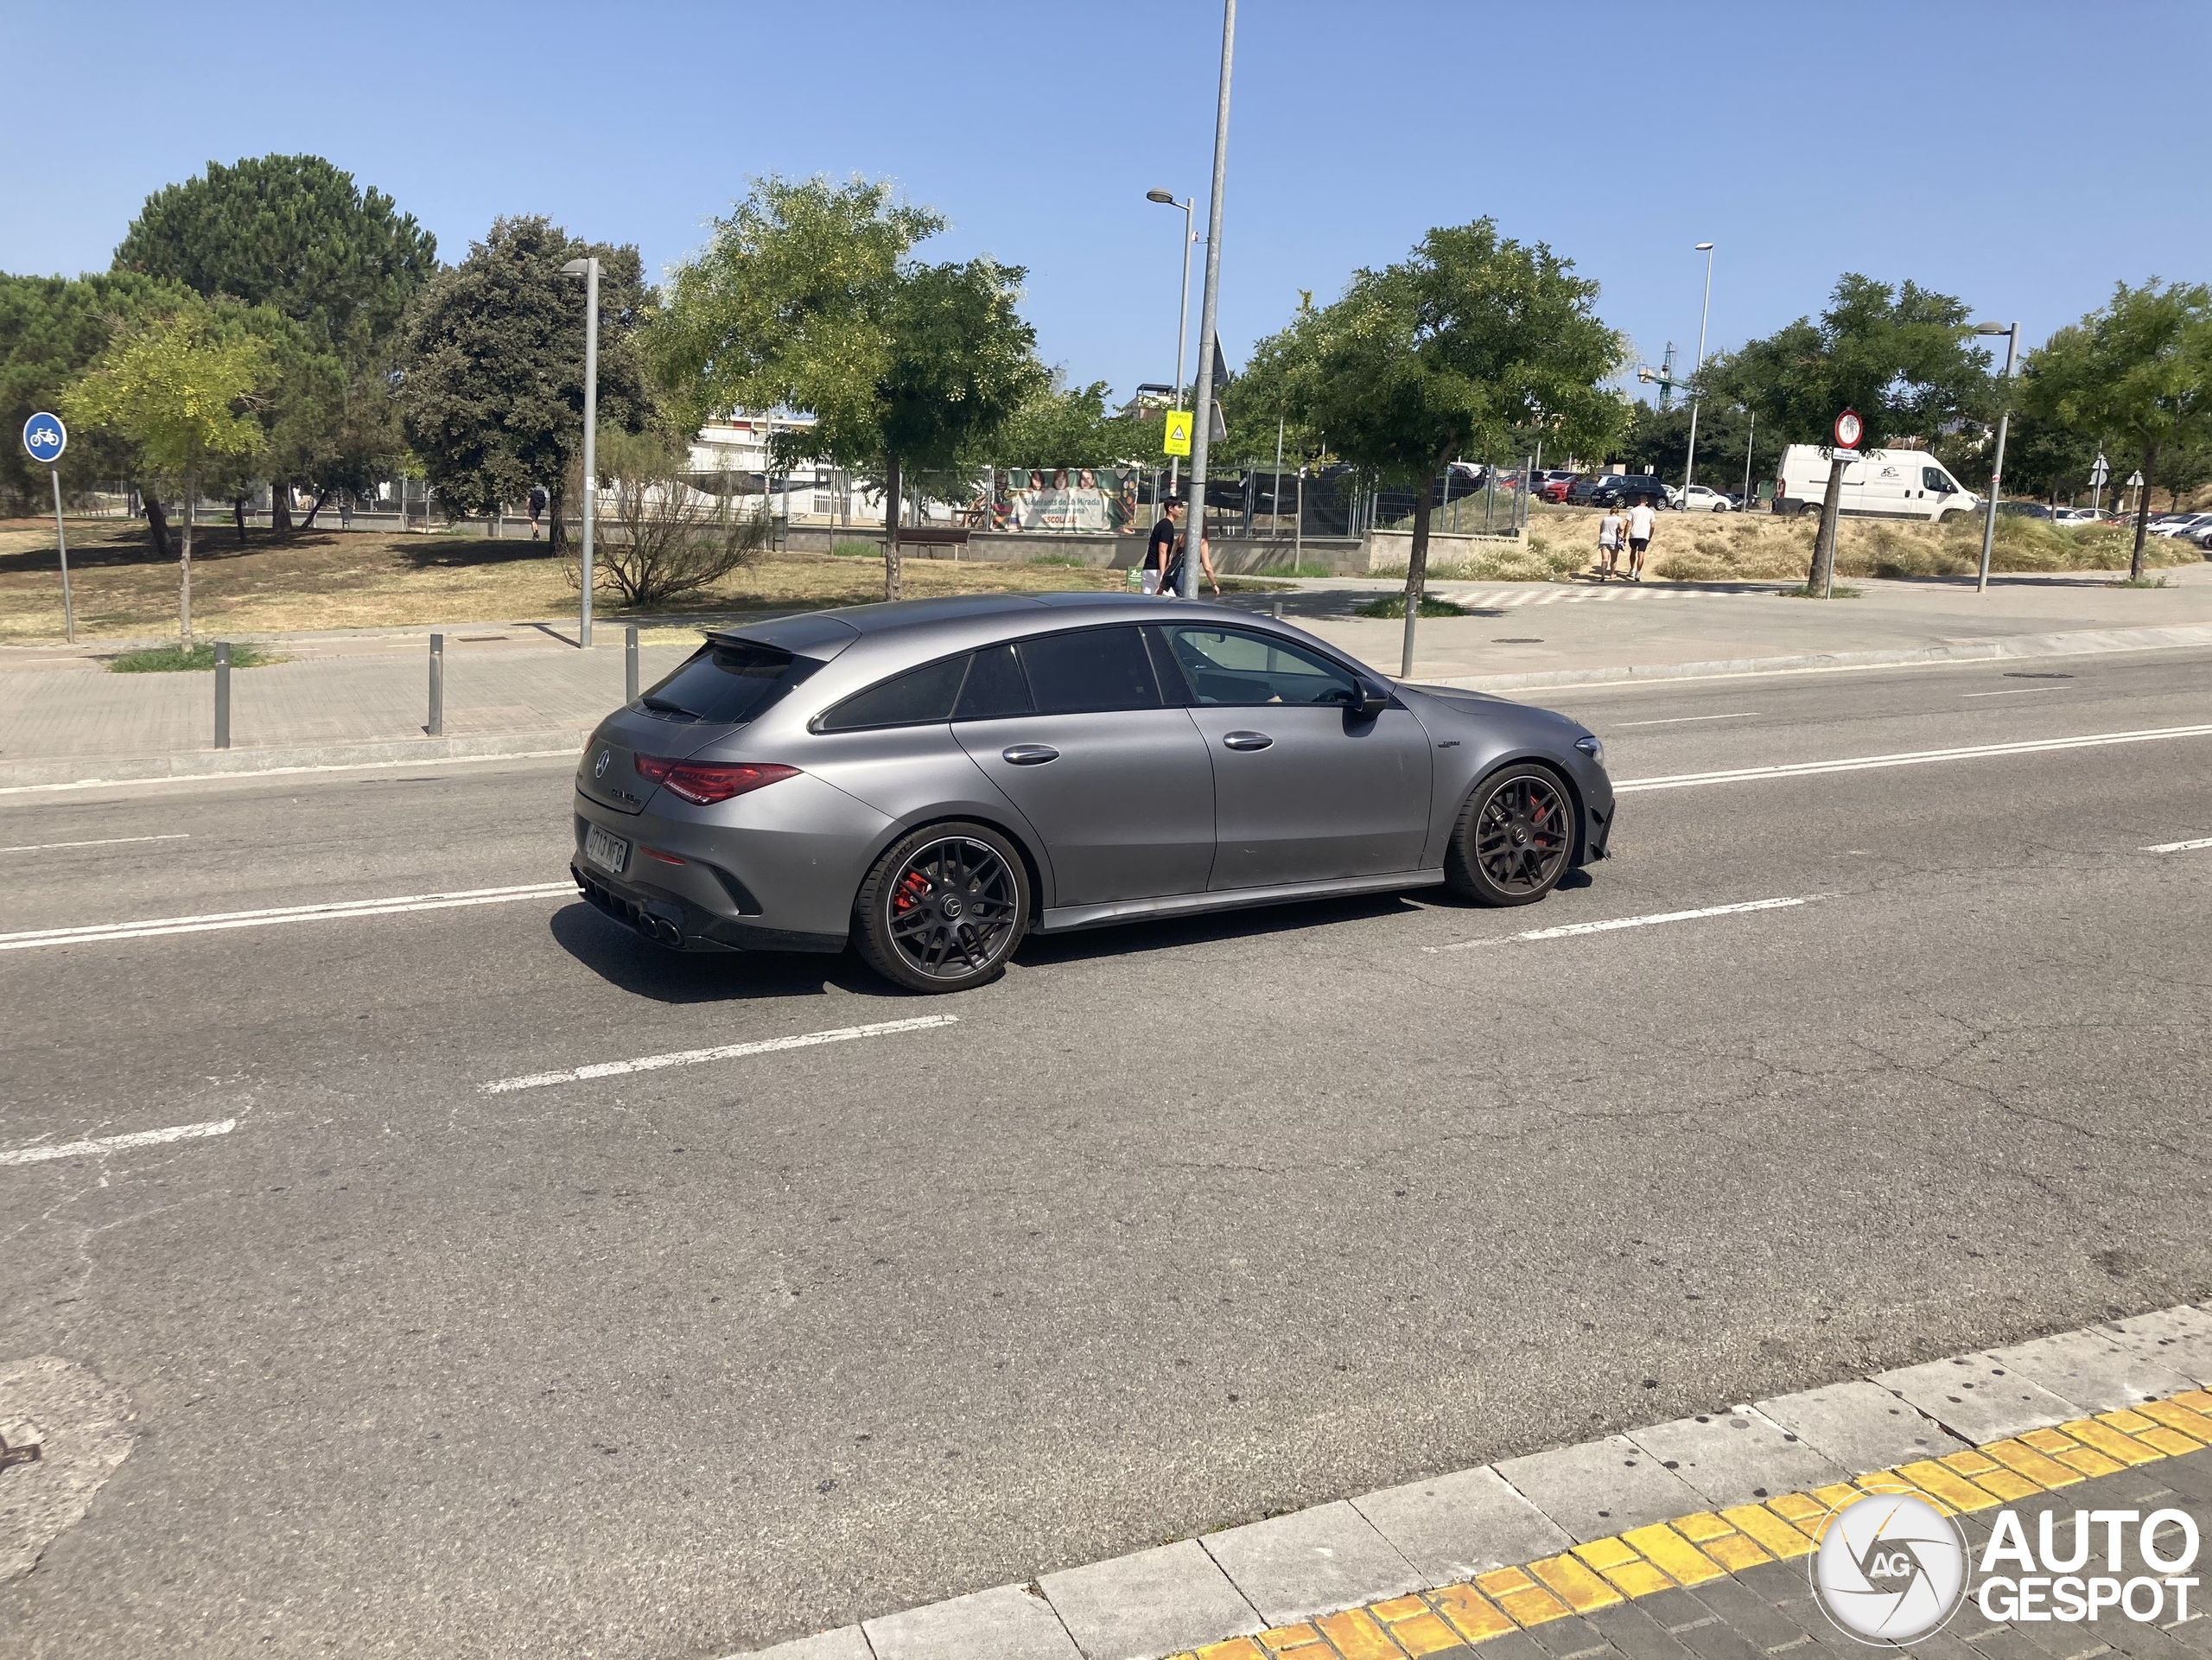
(1245,740)
(1031,754)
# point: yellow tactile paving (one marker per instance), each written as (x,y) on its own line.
(1574,1583)
(1471,1614)
(1703,1546)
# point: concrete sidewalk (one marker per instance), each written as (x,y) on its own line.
(362,697)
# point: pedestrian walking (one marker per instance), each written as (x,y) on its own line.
(1172,584)
(1610,531)
(538,499)
(1641,522)
(1160,551)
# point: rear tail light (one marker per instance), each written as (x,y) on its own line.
(704,782)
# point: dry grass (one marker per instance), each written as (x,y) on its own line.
(1761,547)
(332,580)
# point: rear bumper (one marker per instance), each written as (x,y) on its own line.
(672,920)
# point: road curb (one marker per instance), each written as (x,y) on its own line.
(26,776)
(2081,643)
(1442,1565)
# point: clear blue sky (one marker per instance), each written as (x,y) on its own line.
(2023,156)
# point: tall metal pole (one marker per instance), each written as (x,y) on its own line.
(1201,421)
(591,433)
(1749,438)
(1182,329)
(61,542)
(1997,472)
(1689,466)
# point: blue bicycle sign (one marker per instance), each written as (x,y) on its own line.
(45,437)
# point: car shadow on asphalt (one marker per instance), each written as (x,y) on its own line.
(637,966)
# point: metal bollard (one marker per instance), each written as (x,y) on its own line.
(222,694)
(630,664)
(436,726)
(1277,610)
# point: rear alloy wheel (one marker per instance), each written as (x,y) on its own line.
(1514,838)
(944,908)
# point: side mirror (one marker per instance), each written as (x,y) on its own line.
(1372,701)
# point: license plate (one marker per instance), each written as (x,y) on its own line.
(609,852)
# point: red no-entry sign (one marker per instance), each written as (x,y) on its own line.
(1849,430)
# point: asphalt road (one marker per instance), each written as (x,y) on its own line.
(1176,1226)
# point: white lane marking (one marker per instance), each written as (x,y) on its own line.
(289,771)
(1909,758)
(1568,929)
(2016,691)
(116,1144)
(724,1052)
(105,841)
(2181,847)
(1684,720)
(154,927)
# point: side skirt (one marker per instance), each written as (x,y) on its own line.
(1069,917)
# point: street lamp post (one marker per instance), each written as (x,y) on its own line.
(2011,331)
(588,269)
(1689,466)
(1182,311)
(1202,421)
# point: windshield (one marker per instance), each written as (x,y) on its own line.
(728,682)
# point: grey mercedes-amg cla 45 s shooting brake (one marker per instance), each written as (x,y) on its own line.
(932,781)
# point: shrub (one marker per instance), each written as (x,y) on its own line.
(672,532)
(172,659)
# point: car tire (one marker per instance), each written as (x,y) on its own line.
(944,908)
(1515,839)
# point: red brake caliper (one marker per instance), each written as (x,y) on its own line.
(911,892)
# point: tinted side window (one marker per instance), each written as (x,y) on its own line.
(1228,666)
(1082,673)
(914,698)
(996,688)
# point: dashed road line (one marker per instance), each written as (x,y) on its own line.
(40,1153)
(158,927)
(1685,720)
(2181,847)
(722,1052)
(1613,925)
(1908,758)
(2015,692)
(104,842)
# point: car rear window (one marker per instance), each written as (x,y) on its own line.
(728,682)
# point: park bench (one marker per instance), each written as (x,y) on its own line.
(934,536)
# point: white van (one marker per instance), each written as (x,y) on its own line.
(1879,484)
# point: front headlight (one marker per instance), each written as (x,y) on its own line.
(1590,746)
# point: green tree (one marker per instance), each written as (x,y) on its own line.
(52,328)
(184,400)
(1903,356)
(1447,353)
(2139,370)
(807,298)
(296,233)
(1060,425)
(492,395)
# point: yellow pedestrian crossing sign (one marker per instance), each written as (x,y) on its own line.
(1177,439)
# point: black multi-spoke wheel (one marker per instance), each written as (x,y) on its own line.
(1514,839)
(944,908)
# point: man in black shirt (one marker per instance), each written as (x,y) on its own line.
(1160,552)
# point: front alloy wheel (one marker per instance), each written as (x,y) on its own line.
(1514,837)
(944,908)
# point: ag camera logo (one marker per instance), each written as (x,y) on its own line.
(1892,1568)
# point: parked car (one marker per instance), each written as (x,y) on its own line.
(2074,518)
(2180,523)
(1554,486)
(932,781)
(1626,489)
(1703,499)
(1583,492)
(2021,510)
(1880,484)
